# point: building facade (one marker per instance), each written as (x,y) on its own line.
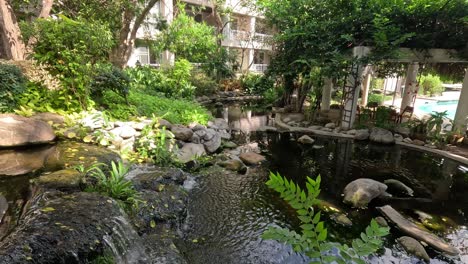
(245,34)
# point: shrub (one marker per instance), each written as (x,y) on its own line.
(170,82)
(70,49)
(256,84)
(431,85)
(110,79)
(375,98)
(204,85)
(12,84)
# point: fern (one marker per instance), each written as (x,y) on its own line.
(312,241)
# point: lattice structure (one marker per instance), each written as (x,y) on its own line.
(351,85)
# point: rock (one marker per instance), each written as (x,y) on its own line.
(233,164)
(267,129)
(342,219)
(190,151)
(197,127)
(404,131)
(408,140)
(398,137)
(160,247)
(3,207)
(418,142)
(23,161)
(295,117)
(127,144)
(360,192)
(73,228)
(139,126)
(362,134)
(330,125)
(224,134)
(212,140)
(337,130)
(380,135)
(17,131)
(251,158)
(315,127)
(165,206)
(181,132)
(415,231)
(221,123)
(381,221)
(49,117)
(351,132)
(229,144)
(127,132)
(398,186)
(69,154)
(68,179)
(306,140)
(326,129)
(413,247)
(163,123)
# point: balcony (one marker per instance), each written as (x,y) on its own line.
(239,38)
(259,68)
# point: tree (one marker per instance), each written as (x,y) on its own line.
(14,47)
(123,17)
(321,33)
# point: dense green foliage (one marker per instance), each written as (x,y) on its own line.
(70,49)
(430,85)
(110,79)
(321,33)
(169,82)
(12,84)
(312,241)
(177,111)
(188,39)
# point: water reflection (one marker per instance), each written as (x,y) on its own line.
(243,118)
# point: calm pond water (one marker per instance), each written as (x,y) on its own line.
(228,212)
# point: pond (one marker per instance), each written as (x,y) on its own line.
(228,212)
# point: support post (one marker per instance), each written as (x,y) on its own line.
(461,116)
(326,94)
(365,89)
(411,86)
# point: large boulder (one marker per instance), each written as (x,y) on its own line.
(212,140)
(380,135)
(17,130)
(3,207)
(181,132)
(413,247)
(361,134)
(306,140)
(190,151)
(74,228)
(251,158)
(23,161)
(49,118)
(233,165)
(415,231)
(360,192)
(67,179)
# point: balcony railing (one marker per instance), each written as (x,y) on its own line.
(261,68)
(240,35)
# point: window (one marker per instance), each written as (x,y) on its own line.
(259,57)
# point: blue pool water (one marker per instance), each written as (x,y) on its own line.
(440,106)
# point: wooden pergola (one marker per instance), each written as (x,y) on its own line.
(413,58)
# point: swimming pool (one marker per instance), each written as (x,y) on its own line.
(440,106)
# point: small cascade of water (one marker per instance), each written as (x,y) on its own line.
(125,243)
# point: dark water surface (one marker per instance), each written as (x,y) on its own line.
(228,212)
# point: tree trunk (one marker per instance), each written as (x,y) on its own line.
(13,45)
(44,12)
(127,35)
